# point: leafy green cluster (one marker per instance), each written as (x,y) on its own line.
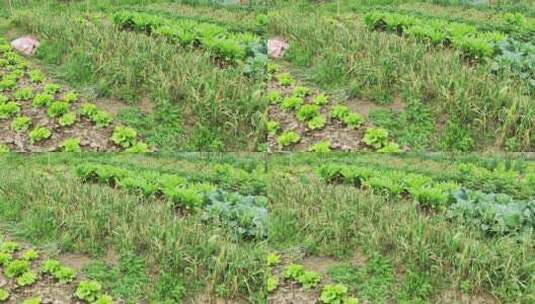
(99,117)
(62,274)
(421,188)
(473,43)
(91,292)
(245,216)
(39,134)
(189,194)
(214,38)
(297,273)
(344,115)
(517,58)
(288,138)
(494,214)
(377,138)
(501,178)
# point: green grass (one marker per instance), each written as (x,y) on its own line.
(383,247)
(47,204)
(411,256)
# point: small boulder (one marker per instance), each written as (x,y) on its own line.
(25,45)
(277,47)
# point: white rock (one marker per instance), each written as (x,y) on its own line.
(277,47)
(25,45)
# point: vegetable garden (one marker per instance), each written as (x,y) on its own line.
(305,227)
(38,115)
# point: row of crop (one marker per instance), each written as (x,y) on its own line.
(508,54)
(297,274)
(315,112)
(501,216)
(17,265)
(515,25)
(499,179)
(257,25)
(214,38)
(20,86)
(245,215)
(472,42)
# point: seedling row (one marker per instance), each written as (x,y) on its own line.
(39,115)
(300,118)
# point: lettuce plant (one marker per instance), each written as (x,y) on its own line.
(88,291)
(9,247)
(124,136)
(104,299)
(273,259)
(4,295)
(317,123)
(3,99)
(7,84)
(309,279)
(274,97)
(71,145)
(23,94)
(321,147)
(138,147)
(339,112)
(42,100)
(16,268)
(320,100)
(34,300)
(39,134)
(51,88)
(8,109)
(390,147)
(21,123)
(4,149)
(102,119)
(5,258)
(64,274)
(58,108)
(335,294)
(88,110)
(27,278)
(50,266)
(293,271)
(30,255)
(285,79)
(36,76)
(292,103)
(272,127)
(67,119)
(288,138)
(308,112)
(353,120)
(376,137)
(69,97)
(272,283)
(300,91)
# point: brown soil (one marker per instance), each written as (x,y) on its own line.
(454,296)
